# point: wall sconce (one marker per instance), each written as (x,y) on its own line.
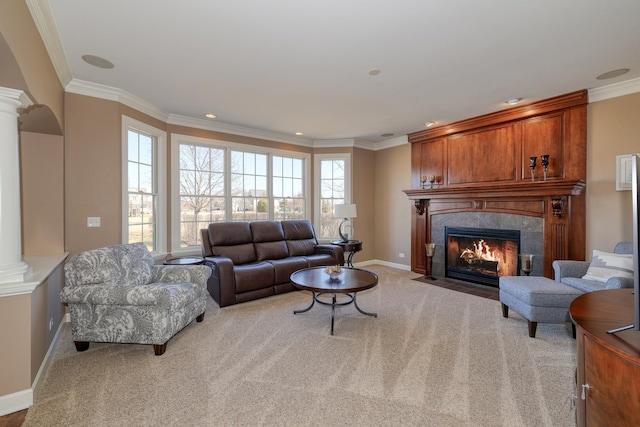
(346,211)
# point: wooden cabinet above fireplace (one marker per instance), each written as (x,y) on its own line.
(484,163)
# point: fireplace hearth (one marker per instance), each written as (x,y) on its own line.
(481,255)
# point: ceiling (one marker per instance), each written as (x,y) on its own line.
(286,66)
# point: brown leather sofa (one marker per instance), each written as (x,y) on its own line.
(251,260)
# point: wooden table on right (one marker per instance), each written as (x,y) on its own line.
(349,282)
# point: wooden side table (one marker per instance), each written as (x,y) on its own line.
(189,260)
(351,246)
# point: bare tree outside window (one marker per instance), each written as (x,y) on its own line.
(202,196)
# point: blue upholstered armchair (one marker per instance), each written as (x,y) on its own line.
(602,272)
(117,294)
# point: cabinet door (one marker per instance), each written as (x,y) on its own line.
(613,395)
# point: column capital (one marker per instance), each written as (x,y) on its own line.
(20,98)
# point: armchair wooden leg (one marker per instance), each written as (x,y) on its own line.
(81,345)
(159,349)
(200,318)
(532,328)
(505,310)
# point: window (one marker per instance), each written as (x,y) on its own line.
(202,190)
(249,195)
(333,186)
(223,181)
(288,188)
(143,193)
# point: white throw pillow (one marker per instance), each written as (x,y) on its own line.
(605,265)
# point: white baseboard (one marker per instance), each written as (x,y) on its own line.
(15,402)
(20,400)
(385,263)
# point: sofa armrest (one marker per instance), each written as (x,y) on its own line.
(122,294)
(181,273)
(569,268)
(196,274)
(222,282)
(619,282)
(334,250)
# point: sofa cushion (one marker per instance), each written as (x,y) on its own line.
(232,240)
(605,265)
(300,237)
(239,254)
(271,250)
(285,267)
(250,277)
(268,239)
(266,231)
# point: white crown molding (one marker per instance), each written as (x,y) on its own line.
(390,143)
(96,90)
(46,25)
(334,143)
(615,90)
(216,126)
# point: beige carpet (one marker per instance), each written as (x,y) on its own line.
(433,357)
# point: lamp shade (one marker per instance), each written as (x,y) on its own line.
(345,211)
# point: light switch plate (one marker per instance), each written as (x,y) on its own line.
(93,221)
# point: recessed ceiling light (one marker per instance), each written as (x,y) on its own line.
(97,61)
(429,124)
(386,135)
(210,116)
(374,72)
(612,74)
(513,101)
(299,133)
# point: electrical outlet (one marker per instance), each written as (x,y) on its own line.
(401,255)
(93,221)
(51,323)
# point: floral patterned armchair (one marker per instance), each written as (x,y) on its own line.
(117,294)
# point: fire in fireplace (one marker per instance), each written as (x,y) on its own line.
(481,255)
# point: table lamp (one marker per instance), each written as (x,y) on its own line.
(346,211)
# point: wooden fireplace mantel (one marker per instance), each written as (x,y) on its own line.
(501,190)
(558,202)
(485,164)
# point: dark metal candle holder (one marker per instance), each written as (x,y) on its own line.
(544,160)
(430,249)
(532,166)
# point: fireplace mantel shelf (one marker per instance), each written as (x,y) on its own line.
(498,190)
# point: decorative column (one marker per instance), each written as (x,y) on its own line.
(12,268)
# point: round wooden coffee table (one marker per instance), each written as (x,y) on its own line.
(350,281)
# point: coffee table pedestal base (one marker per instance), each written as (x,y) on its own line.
(333,304)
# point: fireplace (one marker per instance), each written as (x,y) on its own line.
(481,255)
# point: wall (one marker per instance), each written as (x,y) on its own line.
(15,336)
(93,177)
(613,129)
(42,172)
(392,207)
(364,196)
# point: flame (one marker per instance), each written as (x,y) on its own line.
(481,250)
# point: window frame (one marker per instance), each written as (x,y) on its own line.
(228,146)
(159,167)
(317,180)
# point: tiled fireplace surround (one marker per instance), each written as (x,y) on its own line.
(531,233)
